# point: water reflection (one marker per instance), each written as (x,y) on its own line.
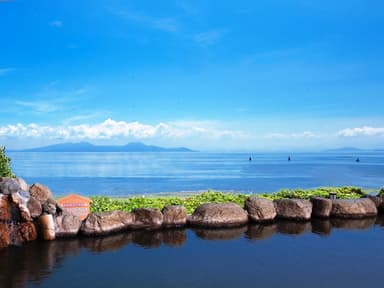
(36,261)
(220,234)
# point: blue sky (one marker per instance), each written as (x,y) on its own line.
(211,75)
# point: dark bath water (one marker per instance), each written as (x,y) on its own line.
(122,174)
(339,253)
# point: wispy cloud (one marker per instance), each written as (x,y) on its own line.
(56,24)
(361,131)
(208,38)
(51,99)
(4,71)
(305,134)
(38,106)
(111,129)
(166,24)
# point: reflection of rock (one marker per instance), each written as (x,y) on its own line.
(293,209)
(174,216)
(220,234)
(353,208)
(321,207)
(147,218)
(106,222)
(67,225)
(260,231)
(107,243)
(147,238)
(218,215)
(260,209)
(380,220)
(358,224)
(174,237)
(293,227)
(321,226)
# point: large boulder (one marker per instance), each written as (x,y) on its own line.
(106,222)
(67,225)
(5,209)
(379,201)
(20,199)
(147,218)
(5,239)
(174,216)
(321,207)
(295,209)
(27,231)
(218,215)
(260,209)
(49,206)
(9,185)
(353,208)
(40,192)
(35,208)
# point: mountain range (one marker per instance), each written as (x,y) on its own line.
(88,147)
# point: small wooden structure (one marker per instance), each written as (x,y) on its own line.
(76,205)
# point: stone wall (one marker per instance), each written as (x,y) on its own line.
(30,212)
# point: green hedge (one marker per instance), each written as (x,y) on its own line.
(102,203)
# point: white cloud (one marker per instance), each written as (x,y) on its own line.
(208,38)
(112,129)
(361,131)
(56,24)
(305,134)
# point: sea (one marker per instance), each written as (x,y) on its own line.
(162,173)
(317,254)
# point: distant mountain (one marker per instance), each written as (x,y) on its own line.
(345,149)
(88,147)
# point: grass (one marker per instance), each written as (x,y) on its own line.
(102,203)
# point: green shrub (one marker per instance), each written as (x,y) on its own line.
(102,203)
(5,164)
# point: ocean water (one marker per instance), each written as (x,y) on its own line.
(122,174)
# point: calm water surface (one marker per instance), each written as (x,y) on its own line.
(340,253)
(121,174)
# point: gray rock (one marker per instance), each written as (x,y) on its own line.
(35,208)
(260,209)
(218,215)
(321,207)
(106,222)
(295,209)
(376,199)
(23,185)
(49,206)
(147,218)
(67,225)
(9,185)
(174,216)
(40,192)
(353,208)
